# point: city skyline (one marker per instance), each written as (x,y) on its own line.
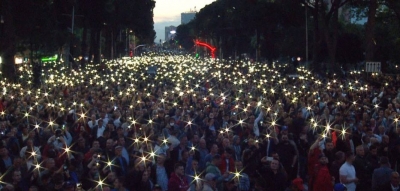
(168,12)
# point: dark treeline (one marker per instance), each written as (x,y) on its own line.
(45,27)
(276,29)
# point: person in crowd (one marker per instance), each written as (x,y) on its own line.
(243,180)
(363,169)
(178,181)
(245,125)
(119,184)
(120,163)
(210,182)
(161,171)
(297,185)
(339,187)
(381,175)
(213,168)
(335,167)
(393,184)
(347,173)
(322,179)
(287,156)
(227,161)
(275,179)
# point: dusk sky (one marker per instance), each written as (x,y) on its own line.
(168,12)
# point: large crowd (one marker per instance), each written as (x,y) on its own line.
(198,125)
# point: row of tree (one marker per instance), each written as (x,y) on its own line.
(273,29)
(86,27)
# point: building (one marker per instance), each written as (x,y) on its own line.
(344,11)
(187,17)
(170,32)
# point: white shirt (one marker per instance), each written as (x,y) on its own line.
(91,124)
(125,154)
(161,149)
(227,165)
(394,188)
(349,171)
(36,149)
(173,140)
(117,122)
(100,131)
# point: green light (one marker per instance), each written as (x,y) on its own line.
(197,55)
(50,58)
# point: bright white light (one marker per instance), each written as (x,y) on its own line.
(18,60)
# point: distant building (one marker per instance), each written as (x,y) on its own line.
(344,11)
(170,32)
(187,17)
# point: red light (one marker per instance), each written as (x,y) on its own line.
(197,42)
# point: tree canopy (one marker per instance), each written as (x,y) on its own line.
(45,26)
(274,30)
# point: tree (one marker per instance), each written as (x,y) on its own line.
(325,22)
(185,36)
(369,31)
(8,40)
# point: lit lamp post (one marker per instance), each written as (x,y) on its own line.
(128,41)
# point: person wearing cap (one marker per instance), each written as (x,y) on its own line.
(322,180)
(382,174)
(121,142)
(339,187)
(210,182)
(297,185)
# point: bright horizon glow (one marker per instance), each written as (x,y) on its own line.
(168,12)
